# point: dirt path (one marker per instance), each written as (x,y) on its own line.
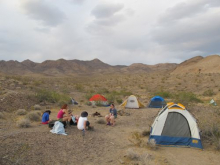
(105,145)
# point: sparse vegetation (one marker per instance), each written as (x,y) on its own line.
(164,94)
(24,123)
(51,96)
(21,112)
(37,107)
(186,98)
(33,116)
(136,139)
(1,115)
(152,144)
(208,92)
(131,154)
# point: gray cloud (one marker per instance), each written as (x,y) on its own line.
(106,17)
(47,13)
(190,27)
(78,1)
(187,10)
(106,10)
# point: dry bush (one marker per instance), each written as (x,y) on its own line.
(209,124)
(21,112)
(34,116)
(146,158)
(37,107)
(131,154)
(152,144)
(146,133)
(101,121)
(2,115)
(24,123)
(136,139)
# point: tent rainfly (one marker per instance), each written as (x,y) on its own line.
(157,102)
(97,98)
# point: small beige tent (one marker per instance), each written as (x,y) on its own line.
(132,102)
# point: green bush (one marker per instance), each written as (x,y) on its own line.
(88,95)
(209,92)
(186,97)
(164,94)
(79,87)
(103,91)
(119,101)
(51,96)
(110,97)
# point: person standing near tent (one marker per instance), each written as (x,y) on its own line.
(45,117)
(63,111)
(112,116)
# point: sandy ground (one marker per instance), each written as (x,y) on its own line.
(105,145)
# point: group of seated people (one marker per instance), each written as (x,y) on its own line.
(82,122)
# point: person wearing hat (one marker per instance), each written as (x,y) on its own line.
(83,121)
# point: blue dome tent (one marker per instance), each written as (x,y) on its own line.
(157,102)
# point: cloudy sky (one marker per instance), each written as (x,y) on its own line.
(114,31)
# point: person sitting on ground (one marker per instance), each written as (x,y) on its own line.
(63,114)
(45,117)
(112,116)
(83,123)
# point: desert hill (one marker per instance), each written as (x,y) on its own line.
(209,64)
(199,64)
(73,67)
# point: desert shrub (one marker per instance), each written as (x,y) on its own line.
(125,93)
(208,92)
(1,115)
(34,116)
(110,98)
(79,87)
(37,107)
(98,103)
(21,112)
(103,91)
(146,158)
(119,101)
(136,139)
(24,123)
(211,134)
(209,125)
(131,154)
(145,133)
(152,144)
(88,103)
(89,95)
(186,97)
(164,94)
(50,96)
(101,121)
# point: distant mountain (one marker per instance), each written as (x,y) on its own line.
(139,67)
(199,64)
(57,67)
(210,64)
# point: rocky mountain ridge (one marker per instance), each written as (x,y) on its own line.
(209,64)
